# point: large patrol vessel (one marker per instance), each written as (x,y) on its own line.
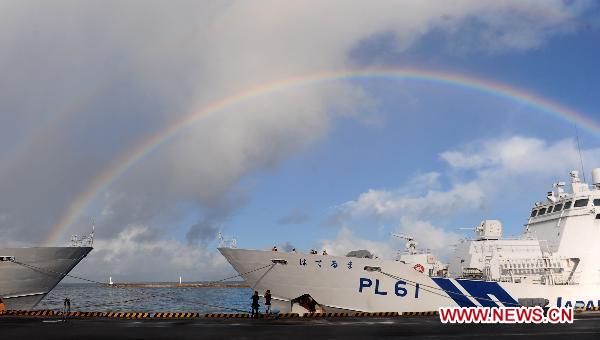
(27,275)
(555,262)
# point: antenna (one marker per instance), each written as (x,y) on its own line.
(411,244)
(93,231)
(580,157)
(221,240)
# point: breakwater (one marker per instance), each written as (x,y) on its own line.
(177,285)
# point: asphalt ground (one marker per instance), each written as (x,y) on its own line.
(586,326)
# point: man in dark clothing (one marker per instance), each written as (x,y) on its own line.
(255,304)
(268,302)
(67,304)
(66,309)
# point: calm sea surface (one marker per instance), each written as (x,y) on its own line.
(92,297)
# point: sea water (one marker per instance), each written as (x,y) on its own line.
(93,297)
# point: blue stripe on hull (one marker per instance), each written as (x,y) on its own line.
(453,292)
(481,291)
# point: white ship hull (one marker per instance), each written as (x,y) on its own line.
(343,283)
(23,287)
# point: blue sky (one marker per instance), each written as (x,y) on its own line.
(334,164)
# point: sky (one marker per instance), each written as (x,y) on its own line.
(169,122)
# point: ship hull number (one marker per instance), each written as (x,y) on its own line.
(400,288)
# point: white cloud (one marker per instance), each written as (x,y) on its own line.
(519,154)
(345,242)
(140,253)
(510,161)
(428,236)
(394,204)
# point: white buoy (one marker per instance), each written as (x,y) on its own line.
(180,280)
(110,280)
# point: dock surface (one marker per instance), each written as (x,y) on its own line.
(586,326)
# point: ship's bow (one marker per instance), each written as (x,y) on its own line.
(28,274)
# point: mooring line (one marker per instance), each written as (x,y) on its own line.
(108,304)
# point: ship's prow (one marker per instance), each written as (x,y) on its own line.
(28,274)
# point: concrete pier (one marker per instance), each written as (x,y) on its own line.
(586,326)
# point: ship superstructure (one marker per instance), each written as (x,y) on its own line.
(558,245)
(422,260)
(554,262)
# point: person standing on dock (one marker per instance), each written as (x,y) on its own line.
(66,308)
(67,305)
(268,302)
(255,304)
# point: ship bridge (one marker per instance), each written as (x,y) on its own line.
(568,223)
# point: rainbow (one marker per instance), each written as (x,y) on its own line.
(133,156)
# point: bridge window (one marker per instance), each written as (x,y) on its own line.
(597,201)
(558,207)
(533,213)
(567,205)
(542,212)
(581,203)
(549,210)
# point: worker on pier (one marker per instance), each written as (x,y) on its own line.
(268,302)
(66,308)
(67,305)
(255,304)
